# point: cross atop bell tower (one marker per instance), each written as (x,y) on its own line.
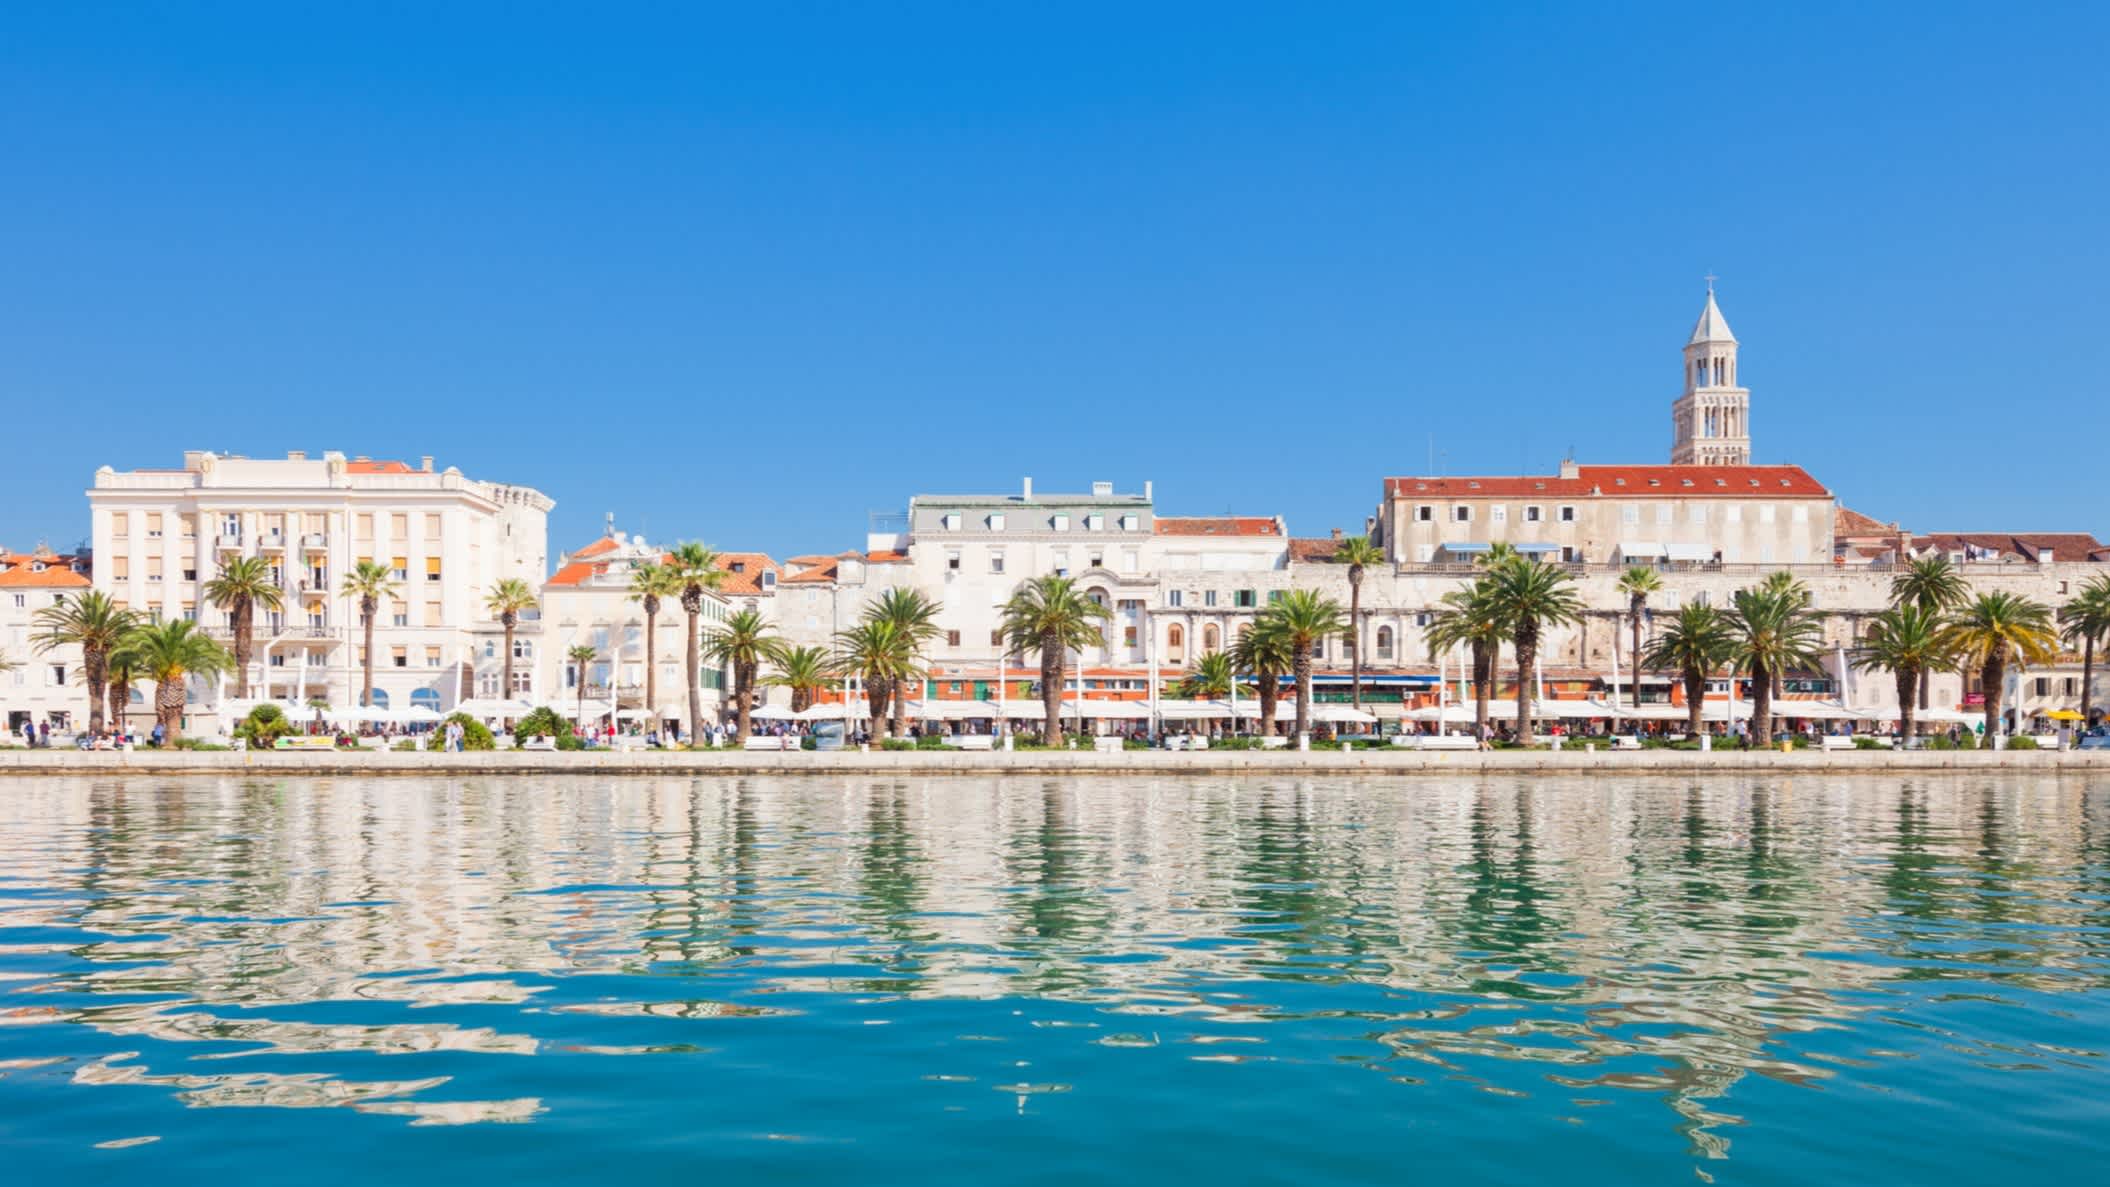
(1710,423)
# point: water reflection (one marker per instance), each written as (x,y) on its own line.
(1567,944)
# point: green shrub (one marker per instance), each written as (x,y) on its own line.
(546,722)
(405,745)
(475,734)
(2022,742)
(809,742)
(1868,744)
(896,744)
(1967,741)
(265,724)
(931,742)
(197,744)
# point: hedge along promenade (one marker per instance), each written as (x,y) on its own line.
(1375,762)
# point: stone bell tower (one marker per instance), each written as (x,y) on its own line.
(1711,422)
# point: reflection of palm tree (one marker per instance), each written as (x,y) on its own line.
(1062,908)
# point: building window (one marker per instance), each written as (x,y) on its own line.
(1765,513)
(523,649)
(399,657)
(1629,513)
(996,521)
(1172,598)
(1208,597)
(952,638)
(952,559)
(399,568)
(1567,514)
(1131,561)
(1212,638)
(1244,599)
(1129,523)
(1697,513)
(1128,636)
(996,562)
(1424,513)
(432,568)
(1663,514)
(1095,523)
(952,521)
(1499,513)
(1533,514)
(1384,642)
(996,637)
(432,657)
(1461,514)
(1175,638)
(1061,523)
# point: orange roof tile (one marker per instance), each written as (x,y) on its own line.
(1617,481)
(1848,522)
(817,575)
(604,544)
(748,581)
(1313,548)
(372,467)
(1216,525)
(886,556)
(20,572)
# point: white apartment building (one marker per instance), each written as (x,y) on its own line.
(41,688)
(587,602)
(159,536)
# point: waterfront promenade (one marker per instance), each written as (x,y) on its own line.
(26,763)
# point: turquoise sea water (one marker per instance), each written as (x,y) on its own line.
(1029,981)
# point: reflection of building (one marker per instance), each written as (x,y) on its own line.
(44,687)
(445,538)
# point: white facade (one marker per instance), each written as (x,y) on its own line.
(42,688)
(588,603)
(1711,420)
(159,536)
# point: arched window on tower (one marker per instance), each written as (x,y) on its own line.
(1384,642)
(1212,639)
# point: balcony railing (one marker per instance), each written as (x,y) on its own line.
(230,540)
(315,541)
(273,540)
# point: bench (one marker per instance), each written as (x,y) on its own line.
(769,742)
(1625,742)
(1106,745)
(305,742)
(1273,743)
(971,742)
(542,742)
(1443,742)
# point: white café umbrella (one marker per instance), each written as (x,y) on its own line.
(1174,710)
(772,713)
(1326,711)
(1024,711)
(1452,714)
(822,712)
(415,715)
(1945,716)
(486,707)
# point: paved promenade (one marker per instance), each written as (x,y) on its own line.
(24,763)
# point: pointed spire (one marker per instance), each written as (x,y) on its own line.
(1712,326)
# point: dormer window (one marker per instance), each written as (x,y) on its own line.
(996,521)
(1129,523)
(1473,485)
(1721,482)
(739,566)
(769,579)
(1686,482)
(1619,482)
(1095,523)
(1655,482)
(1061,523)
(952,521)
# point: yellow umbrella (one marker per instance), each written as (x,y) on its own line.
(2063,715)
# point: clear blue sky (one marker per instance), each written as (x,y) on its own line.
(745,273)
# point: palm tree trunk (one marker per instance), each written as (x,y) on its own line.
(1355,636)
(1926,686)
(1527,644)
(1695,699)
(1051,691)
(2087,680)
(505,693)
(366,696)
(1270,690)
(877,691)
(744,680)
(1634,623)
(691,652)
(1990,676)
(901,712)
(1301,664)
(243,616)
(116,693)
(1483,688)
(1908,714)
(168,705)
(652,667)
(96,668)
(1761,703)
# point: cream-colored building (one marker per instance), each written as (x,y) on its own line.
(1710,424)
(41,687)
(1682,515)
(587,602)
(160,535)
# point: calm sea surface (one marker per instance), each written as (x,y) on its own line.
(1015,981)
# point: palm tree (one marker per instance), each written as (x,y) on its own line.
(1264,650)
(1051,615)
(1774,631)
(2085,620)
(744,642)
(1212,676)
(1470,618)
(368,582)
(580,655)
(915,618)
(650,585)
(169,653)
(507,601)
(878,655)
(803,670)
(1305,617)
(1696,643)
(120,670)
(1529,597)
(1908,641)
(1996,629)
(243,584)
(1358,553)
(696,567)
(1637,583)
(96,624)
(1501,552)
(1933,584)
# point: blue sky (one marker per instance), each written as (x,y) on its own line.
(746,273)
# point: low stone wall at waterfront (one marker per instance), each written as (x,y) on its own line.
(25,763)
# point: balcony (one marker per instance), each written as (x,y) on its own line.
(275,541)
(315,542)
(229,541)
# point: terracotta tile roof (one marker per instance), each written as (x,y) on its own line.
(604,544)
(20,572)
(1848,522)
(816,575)
(806,561)
(2028,546)
(1216,525)
(364,466)
(1312,548)
(1623,482)
(886,557)
(575,573)
(747,581)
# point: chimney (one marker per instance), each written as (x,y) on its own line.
(1101,490)
(425,463)
(1146,491)
(1337,533)
(1028,495)
(2046,557)
(1569,469)
(296,455)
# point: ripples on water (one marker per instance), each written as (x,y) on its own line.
(1024,981)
